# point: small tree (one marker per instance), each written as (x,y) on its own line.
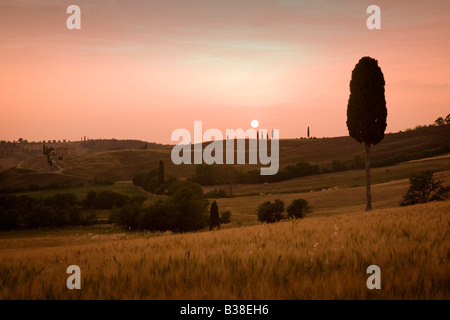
(214,221)
(423,188)
(447,119)
(270,212)
(225,217)
(298,209)
(366,110)
(439,121)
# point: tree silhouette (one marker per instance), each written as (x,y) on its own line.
(298,209)
(447,119)
(270,212)
(439,121)
(214,221)
(366,110)
(423,188)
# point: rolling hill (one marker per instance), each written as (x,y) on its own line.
(117,160)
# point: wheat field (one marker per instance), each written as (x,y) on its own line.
(314,258)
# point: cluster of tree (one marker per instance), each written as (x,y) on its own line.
(423,188)
(107,200)
(153,180)
(63,209)
(274,211)
(24,212)
(442,122)
(35,187)
(183,210)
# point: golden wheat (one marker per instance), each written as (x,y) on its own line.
(314,258)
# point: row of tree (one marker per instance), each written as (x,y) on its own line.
(60,210)
(442,122)
(24,212)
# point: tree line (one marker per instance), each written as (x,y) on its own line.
(60,210)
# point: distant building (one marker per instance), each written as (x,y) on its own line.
(61,152)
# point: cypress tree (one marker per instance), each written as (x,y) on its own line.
(366,110)
(214,216)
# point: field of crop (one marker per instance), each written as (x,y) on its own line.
(314,258)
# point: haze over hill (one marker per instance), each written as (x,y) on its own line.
(116,160)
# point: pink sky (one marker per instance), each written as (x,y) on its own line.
(141,69)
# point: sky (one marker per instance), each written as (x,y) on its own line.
(141,69)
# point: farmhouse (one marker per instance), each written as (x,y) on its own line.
(61,152)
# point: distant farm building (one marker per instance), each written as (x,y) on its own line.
(61,152)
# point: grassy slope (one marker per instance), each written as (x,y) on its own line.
(345,179)
(315,258)
(323,256)
(335,192)
(95,159)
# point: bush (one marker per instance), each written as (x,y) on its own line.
(423,188)
(270,212)
(298,208)
(225,217)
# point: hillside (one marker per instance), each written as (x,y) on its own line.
(116,160)
(312,258)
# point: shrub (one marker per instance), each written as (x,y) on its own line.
(270,212)
(225,217)
(298,208)
(423,188)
